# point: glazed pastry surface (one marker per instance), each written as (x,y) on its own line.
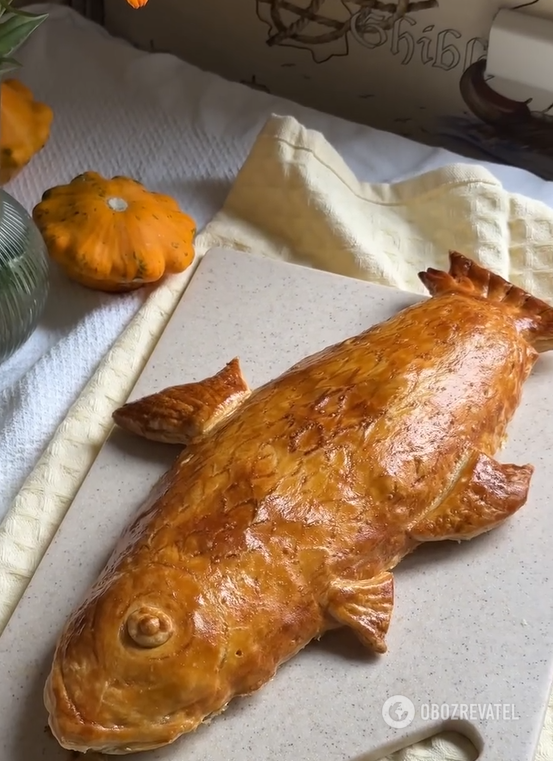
(290,506)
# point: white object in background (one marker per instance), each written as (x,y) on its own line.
(520,55)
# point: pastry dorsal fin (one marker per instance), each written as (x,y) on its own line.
(181,414)
(533,316)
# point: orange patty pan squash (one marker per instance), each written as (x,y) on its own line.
(114,234)
(24,127)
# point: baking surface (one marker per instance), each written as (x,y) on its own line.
(472,622)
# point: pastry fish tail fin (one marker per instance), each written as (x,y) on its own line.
(533,316)
(182,414)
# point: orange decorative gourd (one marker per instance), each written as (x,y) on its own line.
(24,127)
(114,234)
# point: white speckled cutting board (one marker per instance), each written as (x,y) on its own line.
(472,628)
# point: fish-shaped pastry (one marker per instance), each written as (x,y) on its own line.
(291,504)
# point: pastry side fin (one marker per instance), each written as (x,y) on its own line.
(485,494)
(180,414)
(365,606)
(533,316)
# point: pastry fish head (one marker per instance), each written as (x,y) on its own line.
(137,664)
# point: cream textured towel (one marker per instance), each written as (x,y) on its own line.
(295,199)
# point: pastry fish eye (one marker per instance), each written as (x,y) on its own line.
(149,626)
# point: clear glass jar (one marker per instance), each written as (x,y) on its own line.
(23,275)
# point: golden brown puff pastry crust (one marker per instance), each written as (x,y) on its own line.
(290,506)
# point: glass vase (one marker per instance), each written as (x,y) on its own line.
(23,275)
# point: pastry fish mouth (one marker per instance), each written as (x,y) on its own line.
(75,733)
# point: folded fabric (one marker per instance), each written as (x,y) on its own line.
(294,199)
